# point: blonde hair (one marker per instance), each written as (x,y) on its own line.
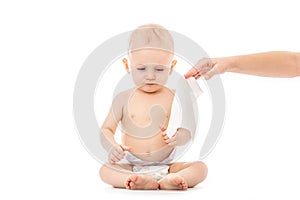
(151,36)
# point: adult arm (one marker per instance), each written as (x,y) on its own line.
(269,64)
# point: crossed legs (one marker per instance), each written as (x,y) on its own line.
(182,175)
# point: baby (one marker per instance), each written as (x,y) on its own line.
(144,112)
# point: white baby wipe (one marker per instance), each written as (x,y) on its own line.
(194,86)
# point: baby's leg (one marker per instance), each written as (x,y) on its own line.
(115,175)
(184,175)
(122,177)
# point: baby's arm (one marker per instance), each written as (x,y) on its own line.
(182,135)
(108,129)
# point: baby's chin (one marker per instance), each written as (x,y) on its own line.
(151,88)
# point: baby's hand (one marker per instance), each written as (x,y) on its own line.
(117,153)
(181,137)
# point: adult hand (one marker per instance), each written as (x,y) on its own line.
(206,67)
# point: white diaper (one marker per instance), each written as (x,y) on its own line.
(157,170)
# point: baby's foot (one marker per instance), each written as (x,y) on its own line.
(141,182)
(173,182)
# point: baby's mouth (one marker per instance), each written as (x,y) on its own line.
(150,84)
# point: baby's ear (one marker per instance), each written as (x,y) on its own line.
(174,62)
(125,62)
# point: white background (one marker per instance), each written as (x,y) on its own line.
(43,45)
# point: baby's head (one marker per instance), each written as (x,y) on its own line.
(151,57)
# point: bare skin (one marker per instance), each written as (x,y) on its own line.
(173,182)
(144,113)
(181,176)
(141,182)
(138,118)
(148,114)
(281,64)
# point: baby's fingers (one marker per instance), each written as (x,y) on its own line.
(118,155)
(125,148)
(165,136)
(113,159)
(171,141)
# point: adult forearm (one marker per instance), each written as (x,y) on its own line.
(271,64)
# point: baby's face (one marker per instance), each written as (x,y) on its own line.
(150,69)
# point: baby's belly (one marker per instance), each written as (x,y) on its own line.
(152,149)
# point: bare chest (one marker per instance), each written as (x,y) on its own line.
(145,111)
(146,116)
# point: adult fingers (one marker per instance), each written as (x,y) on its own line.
(202,66)
(211,72)
(193,71)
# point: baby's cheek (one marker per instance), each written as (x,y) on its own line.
(162,80)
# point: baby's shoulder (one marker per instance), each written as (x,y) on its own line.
(169,91)
(122,96)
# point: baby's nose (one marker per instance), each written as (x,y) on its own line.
(150,75)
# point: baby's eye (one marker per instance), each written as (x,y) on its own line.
(141,68)
(160,68)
